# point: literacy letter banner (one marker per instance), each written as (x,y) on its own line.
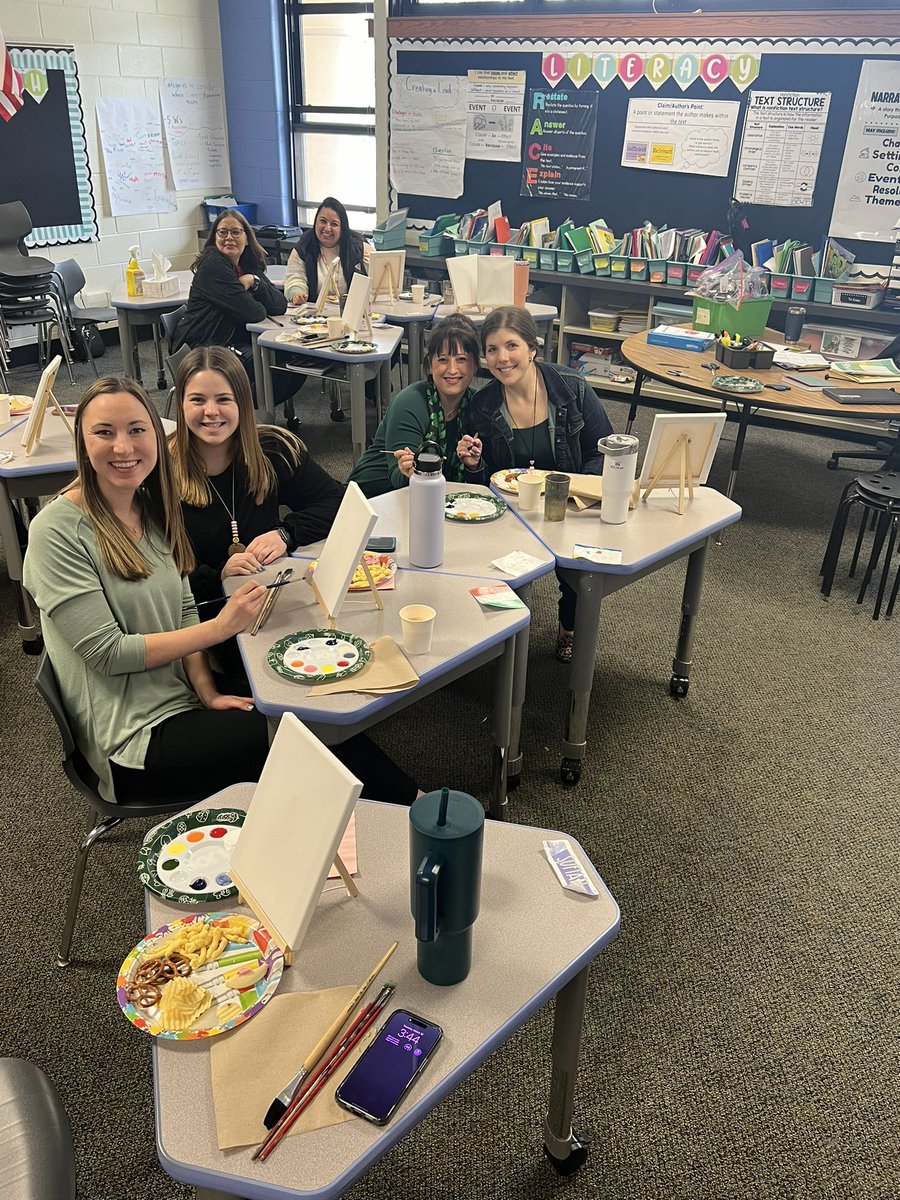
(559,144)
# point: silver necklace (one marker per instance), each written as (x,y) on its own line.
(237,546)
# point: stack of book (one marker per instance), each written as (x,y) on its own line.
(632,320)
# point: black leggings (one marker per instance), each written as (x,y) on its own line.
(568,600)
(199,752)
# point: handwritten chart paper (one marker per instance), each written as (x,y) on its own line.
(781,148)
(692,137)
(428,135)
(131,137)
(194,121)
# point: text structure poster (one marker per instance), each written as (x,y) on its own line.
(691,137)
(559,145)
(867,200)
(428,135)
(781,148)
(496,100)
(194,121)
(132,141)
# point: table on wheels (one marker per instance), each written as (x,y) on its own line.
(689,370)
(466,637)
(522,905)
(469,549)
(653,536)
(266,345)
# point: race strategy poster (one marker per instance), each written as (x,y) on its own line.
(559,144)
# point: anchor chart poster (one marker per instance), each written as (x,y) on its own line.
(559,144)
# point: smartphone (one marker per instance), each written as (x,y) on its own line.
(381,545)
(389,1068)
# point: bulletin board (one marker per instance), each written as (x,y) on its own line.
(626,197)
(44,152)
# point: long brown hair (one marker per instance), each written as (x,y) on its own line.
(252,261)
(187,461)
(157,495)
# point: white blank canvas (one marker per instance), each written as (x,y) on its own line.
(31,435)
(343,549)
(356,302)
(386,269)
(703,431)
(483,279)
(294,825)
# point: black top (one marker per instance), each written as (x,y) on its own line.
(309,492)
(220,308)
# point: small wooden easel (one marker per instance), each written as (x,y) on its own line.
(44,399)
(329,290)
(329,616)
(682,448)
(392,287)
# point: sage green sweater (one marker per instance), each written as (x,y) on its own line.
(94,624)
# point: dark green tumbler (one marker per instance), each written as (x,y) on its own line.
(446,835)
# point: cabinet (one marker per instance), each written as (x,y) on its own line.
(576,295)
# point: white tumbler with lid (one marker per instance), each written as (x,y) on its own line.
(427,497)
(620,451)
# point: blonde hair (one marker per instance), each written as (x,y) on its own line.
(187,461)
(157,496)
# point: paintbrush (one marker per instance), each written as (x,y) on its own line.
(281,578)
(269,586)
(279,1105)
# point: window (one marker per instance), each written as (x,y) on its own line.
(331,79)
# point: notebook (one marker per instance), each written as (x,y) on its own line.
(857,396)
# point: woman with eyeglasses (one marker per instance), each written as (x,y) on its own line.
(311,260)
(229,290)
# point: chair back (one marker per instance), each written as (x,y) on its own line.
(71,280)
(15,226)
(75,765)
(169,321)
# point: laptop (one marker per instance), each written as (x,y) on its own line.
(862,396)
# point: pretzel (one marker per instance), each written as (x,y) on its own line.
(143,995)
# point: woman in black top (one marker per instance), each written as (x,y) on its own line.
(330,238)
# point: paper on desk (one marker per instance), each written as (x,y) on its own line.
(388,670)
(597,554)
(800,360)
(516,563)
(249,1070)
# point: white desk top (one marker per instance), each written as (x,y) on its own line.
(386,339)
(653,529)
(121,299)
(521,905)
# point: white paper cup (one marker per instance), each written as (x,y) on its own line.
(417,623)
(530,487)
(335,327)
(418,293)
(5,417)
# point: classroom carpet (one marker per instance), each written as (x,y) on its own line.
(742,1033)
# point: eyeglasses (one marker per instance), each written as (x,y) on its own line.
(222,234)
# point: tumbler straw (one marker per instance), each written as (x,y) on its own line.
(442,810)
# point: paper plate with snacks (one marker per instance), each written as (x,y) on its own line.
(187,858)
(19,405)
(318,655)
(382,568)
(355,347)
(199,976)
(508,481)
(473,507)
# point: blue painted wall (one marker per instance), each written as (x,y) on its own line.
(256,107)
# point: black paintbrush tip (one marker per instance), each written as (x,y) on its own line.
(275,1112)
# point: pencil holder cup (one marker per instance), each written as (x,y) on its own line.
(446,837)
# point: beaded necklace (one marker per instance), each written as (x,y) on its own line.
(237,546)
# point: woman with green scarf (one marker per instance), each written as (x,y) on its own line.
(434,408)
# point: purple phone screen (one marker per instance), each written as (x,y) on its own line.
(388,1067)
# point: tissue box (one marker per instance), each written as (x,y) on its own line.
(161,289)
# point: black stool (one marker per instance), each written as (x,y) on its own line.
(878,495)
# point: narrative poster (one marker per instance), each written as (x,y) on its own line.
(867,200)
(559,145)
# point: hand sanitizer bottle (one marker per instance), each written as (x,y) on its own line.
(134,276)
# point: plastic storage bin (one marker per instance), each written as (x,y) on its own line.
(823,290)
(750,319)
(780,286)
(847,341)
(389,239)
(432,245)
(692,273)
(675,273)
(565,260)
(547,259)
(601,264)
(618,266)
(512,251)
(531,254)
(584,261)
(656,270)
(213,209)
(802,287)
(638,268)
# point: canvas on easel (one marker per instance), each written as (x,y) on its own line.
(356,306)
(386,269)
(290,837)
(482,282)
(342,554)
(680,452)
(31,435)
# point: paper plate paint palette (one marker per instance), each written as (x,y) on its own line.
(356,347)
(187,858)
(318,655)
(742,384)
(472,506)
(242,972)
(507,481)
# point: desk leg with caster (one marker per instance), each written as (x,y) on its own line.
(501,723)
(356,374)
(566,1151)
(690,608)
(514,766)
(635,401)
(581,673)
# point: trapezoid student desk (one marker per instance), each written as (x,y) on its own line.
(653,536)
(466,637)
(533,941)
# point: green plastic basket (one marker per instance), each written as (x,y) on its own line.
(716,316)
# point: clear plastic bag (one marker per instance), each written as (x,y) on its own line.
(731,281)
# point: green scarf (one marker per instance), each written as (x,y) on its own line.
(437,430)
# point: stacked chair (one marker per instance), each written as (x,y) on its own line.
(28,287)
(69,280)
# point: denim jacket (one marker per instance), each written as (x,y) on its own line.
(576,416)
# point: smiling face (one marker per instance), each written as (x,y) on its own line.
(231,238)
(120,443)
(509,358)
(210,408)
(328,228)
(452,371)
